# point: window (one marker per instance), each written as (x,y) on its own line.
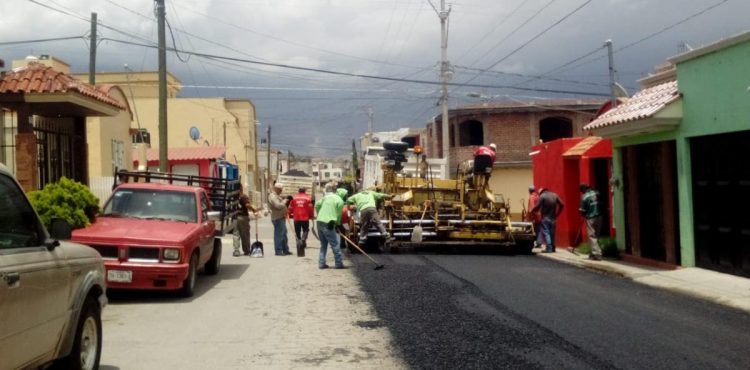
(152,204)
(19,226)
(554,128)
(118,155)
(205,205)
(471,133)
(8,140)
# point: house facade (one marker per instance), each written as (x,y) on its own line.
(47,123)
(192,122)
(678,161)
(514,128)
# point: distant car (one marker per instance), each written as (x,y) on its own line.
(51,292)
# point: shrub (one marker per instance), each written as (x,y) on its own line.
(607,244)
(66,199)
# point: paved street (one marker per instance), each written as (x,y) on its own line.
(259,313)
(423,311)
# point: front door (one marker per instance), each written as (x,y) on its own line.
(651,214)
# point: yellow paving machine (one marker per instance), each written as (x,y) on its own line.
(460,212)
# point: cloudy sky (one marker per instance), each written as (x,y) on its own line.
(502,49)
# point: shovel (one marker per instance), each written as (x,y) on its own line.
(256,249)
(378,266)
(416,233)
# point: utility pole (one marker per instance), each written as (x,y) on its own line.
(268,157)
(444,74)
(92,51)
(160,15)
(612,86)
(370,115)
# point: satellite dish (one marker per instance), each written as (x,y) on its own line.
(195,134)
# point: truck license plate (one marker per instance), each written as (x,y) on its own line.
(120,276)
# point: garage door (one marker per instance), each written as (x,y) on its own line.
(721,202)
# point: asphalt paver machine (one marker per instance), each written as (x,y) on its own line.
(460,212)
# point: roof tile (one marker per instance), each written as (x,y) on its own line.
(36,78)
(643,104)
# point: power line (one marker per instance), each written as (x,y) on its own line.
(535,77)
(527,43)
(499,24)
(536,14)
(298,44)
(648,37)
(348,74)
(41,40)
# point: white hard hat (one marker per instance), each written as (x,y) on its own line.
(278,185)
(493,146)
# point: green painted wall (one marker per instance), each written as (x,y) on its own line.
(716,100)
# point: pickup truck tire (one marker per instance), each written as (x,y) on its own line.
(188,286)
(213,265)
(87,345)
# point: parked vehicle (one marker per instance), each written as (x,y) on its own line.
(156,231)
(51,292)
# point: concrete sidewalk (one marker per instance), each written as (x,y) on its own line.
(725,289)
(299,316)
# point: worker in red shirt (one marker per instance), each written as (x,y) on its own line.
(301,210)
(484,158)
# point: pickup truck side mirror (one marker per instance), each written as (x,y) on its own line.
(60,229)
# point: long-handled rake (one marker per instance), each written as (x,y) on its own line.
(378,266)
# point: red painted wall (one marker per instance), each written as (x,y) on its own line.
(563,175)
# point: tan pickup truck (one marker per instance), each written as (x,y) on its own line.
(51,292)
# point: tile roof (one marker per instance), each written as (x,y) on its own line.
(185,153)
(643,104)
(37,78)
(582,147)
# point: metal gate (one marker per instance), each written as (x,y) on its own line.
(721,202)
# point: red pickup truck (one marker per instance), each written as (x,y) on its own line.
(158,235)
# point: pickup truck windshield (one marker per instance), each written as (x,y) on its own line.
(152,204)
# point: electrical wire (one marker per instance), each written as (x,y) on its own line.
(527,21)
(645,38)
(498,25)
(553,25)
(366,76)
(3,43)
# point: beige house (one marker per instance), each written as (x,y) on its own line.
(55,126)
(192,121)
(109,139)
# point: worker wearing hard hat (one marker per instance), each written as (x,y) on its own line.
(484,158)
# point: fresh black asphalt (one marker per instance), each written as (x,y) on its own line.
(471,311)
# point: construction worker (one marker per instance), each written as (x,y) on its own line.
(484,158)
(365,202)
(550,206)
(589,209)
(301,210)
(279,208)
(534,217)
(423,167)
(329,210)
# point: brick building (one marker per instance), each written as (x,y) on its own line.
(514,128)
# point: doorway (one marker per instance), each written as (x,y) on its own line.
(651,212)
(721,180)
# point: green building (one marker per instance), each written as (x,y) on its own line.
(681,169)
